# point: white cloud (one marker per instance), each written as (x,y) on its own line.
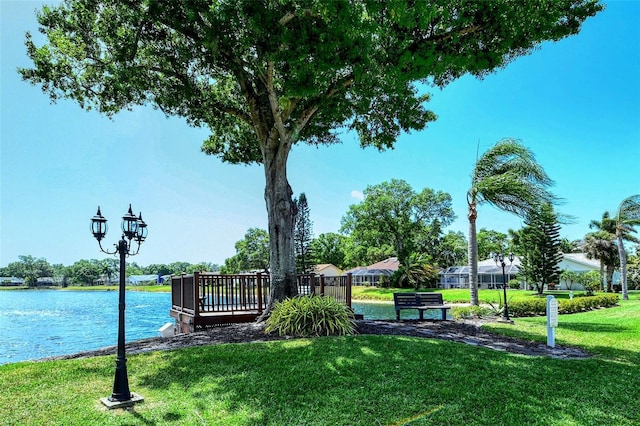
(357,194)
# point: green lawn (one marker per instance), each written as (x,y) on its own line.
(612,333)
(450,295)
(150,288)
(361,380)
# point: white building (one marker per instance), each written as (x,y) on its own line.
(490,274)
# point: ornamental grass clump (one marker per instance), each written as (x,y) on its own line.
(470,312)
(310,316)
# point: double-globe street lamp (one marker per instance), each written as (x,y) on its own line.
(133,229)
(500,258)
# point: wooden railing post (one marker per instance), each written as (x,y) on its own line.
(181,292)
(196,293)
(259,285)
(348,294)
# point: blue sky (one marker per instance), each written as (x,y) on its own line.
(575,104)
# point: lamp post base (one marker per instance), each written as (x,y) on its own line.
(111,404)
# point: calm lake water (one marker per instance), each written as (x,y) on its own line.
(42,323)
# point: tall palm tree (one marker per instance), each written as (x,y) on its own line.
(600,245)
(508,177)
(627,217)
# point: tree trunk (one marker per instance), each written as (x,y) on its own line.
(623,266)
(603,279)
(281,213)
(610,270)
(473,255)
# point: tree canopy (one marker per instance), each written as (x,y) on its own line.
(252,252)
(329,248)
(265,75)
(392,214)
(490,241)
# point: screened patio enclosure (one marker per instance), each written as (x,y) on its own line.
(489,275)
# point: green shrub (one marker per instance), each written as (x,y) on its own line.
(527,307)
(534,307)
(514,284)
(307,316)
(469,312)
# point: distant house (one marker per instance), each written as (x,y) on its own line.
(579,263)
(11,281)
(490,274)
(144,279)
(370,275)
(47,281)
(327,269)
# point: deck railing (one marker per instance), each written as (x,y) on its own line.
(201,294)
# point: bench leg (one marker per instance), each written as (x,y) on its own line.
(444,314)
(398,315)
(421,314)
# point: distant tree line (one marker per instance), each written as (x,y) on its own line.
(393,220)
(88,272)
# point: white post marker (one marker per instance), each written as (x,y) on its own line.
(552,320)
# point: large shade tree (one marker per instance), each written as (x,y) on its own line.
(266,75)
(329,248)
(392,214)
(252,253)
(508,177)
(490,241)
(452,249)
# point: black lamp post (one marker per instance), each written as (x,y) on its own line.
(133,229)
(500,258)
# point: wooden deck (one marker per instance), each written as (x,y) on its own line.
(203,300)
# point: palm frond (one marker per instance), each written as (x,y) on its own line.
(629,210)
(508,177)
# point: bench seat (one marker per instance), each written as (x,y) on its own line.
(420,302)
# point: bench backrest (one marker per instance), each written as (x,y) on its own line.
(405,299)
(429,298)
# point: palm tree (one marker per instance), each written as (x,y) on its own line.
(600,245)
(508,177)
(417,272)
(627,218)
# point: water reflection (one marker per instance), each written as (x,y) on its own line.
(386,311)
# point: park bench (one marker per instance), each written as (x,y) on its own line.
(421,302)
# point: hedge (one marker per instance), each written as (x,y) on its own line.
(535,307)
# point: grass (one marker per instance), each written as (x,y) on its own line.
(360,380)
(147,288)
(611,333)
(451,295)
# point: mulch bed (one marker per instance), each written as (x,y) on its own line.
(464,332)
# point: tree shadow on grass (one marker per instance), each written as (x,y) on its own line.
(589,327)
(367,380)
(602,351)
